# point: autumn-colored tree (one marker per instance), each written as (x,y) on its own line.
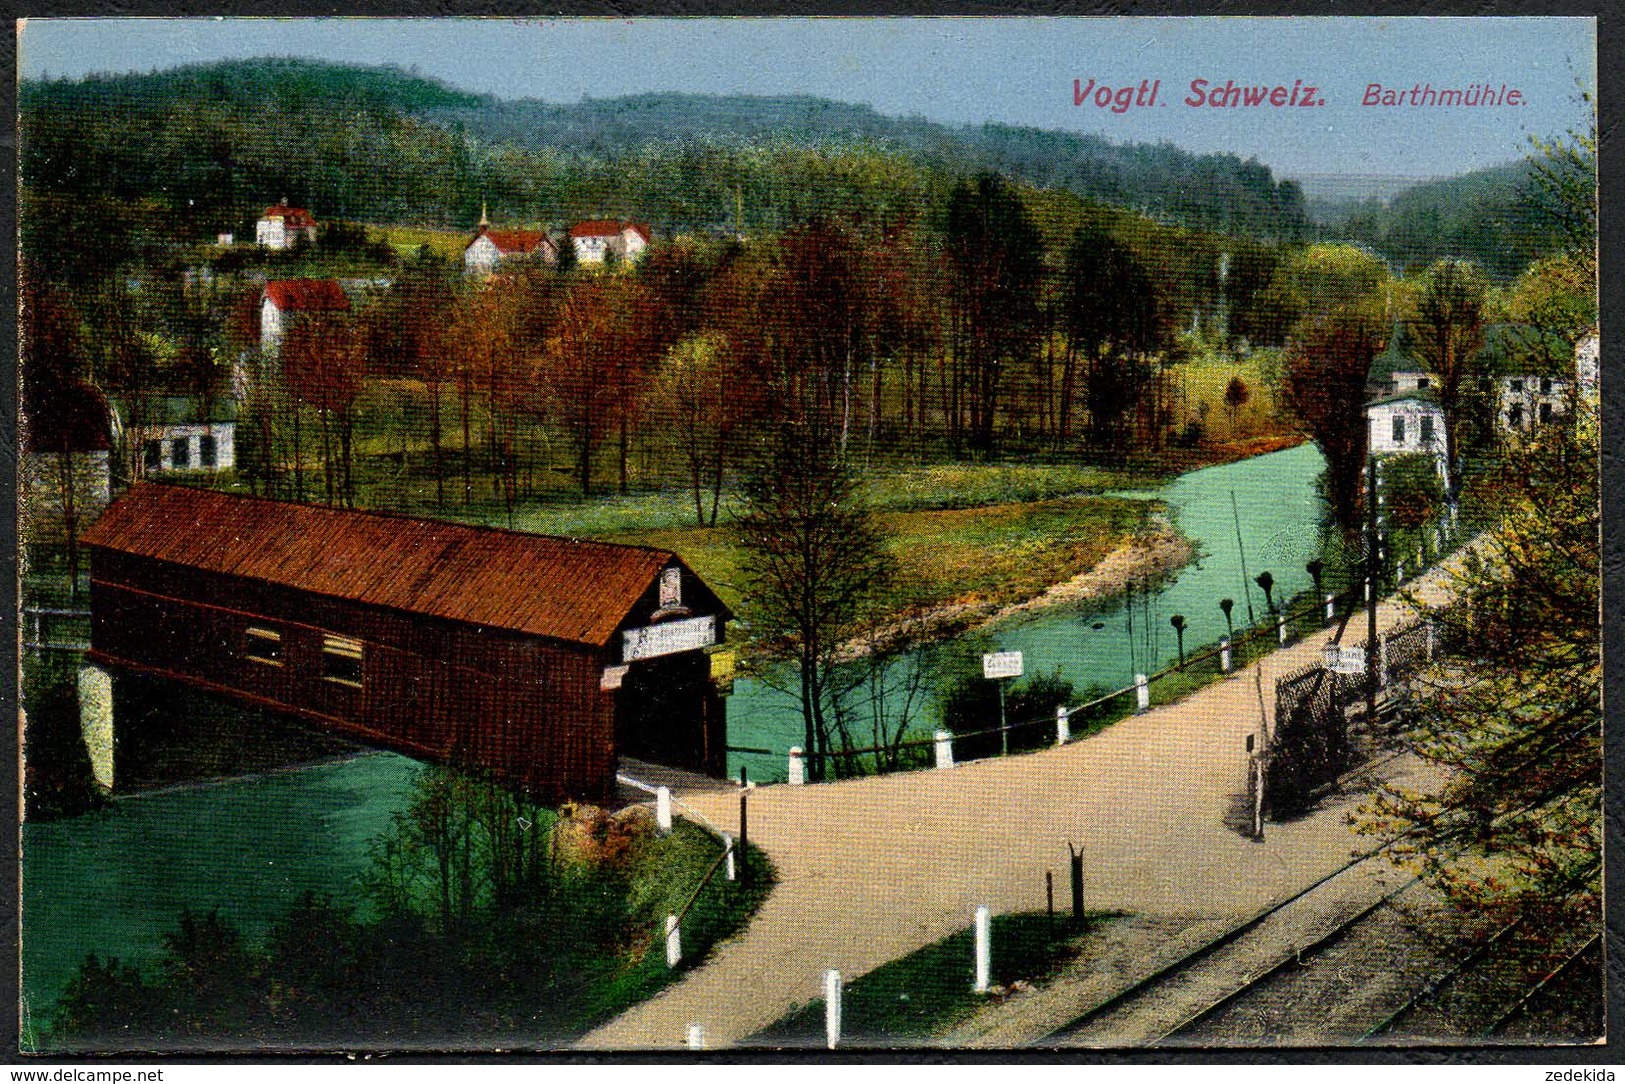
(323,361)
(599,354)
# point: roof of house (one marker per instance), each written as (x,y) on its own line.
(67,417)
(1395,358)
(1425,395)
(608,227)
(514,242)
(1526,350)
(307,295)
(562,588)
(292,217)
(175,410)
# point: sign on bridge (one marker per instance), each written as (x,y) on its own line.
(668,638)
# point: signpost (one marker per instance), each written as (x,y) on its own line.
(1344,660)
(1000,666)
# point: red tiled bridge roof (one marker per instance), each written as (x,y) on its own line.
(563,588)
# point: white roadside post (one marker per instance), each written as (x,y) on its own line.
(663,809)
(1382,662)
(798,767)
(984,949)
(1224,654)
(945,749)
(1331,607)
(696,1036)
(728,851)
(1142,692)
(1063,727)
(832,1008)
(674,942)
(1430,634)
(1280,628)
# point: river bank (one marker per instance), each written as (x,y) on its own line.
(1148,554)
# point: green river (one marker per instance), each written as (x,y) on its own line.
(113,882)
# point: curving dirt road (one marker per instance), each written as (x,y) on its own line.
(872,869)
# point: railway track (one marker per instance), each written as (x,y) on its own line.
(1328,965)
(1200,983)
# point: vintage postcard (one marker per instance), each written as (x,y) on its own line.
(813,534)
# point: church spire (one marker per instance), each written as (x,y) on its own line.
(484,221)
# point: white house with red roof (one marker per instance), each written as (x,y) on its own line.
(285,300)
(280,227)
(596,238)
(491,248)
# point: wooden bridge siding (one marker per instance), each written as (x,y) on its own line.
(527,708)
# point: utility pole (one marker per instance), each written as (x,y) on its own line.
(1371,568)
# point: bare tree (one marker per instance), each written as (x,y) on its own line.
(813,560)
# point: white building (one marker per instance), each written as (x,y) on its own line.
(66,462)
(284,300)
(1407,421)
(1410,380)
(281,226)
(595,239)
(1588,364)
(491,248)
(1527,401)
(175,436)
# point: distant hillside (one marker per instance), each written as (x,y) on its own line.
(1482,216)
(1212,191)
(387,145)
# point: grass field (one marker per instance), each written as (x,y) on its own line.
(406,239)
(929,992)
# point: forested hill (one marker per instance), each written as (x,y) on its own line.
(1212,191)
(1485,216)
(387,145)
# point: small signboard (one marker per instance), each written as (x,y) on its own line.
(668,638)
(613,676)
(1345,660)
(722,666)
(1001,664)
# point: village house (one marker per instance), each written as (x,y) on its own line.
(285,300)
(595,239)
(1405,422)
(1527,401)
(541,660)
(67,442)
(172,435)
(1588,365)
(490,248)
(281,227)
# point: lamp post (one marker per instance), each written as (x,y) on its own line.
(1228,604)
(1178,622)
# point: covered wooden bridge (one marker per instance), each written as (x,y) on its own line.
(539,659)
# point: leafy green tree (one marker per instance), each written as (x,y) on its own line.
(996,260)
(1512,712)
(1110,313)
(1325,381)
(1449,334)
(813,560)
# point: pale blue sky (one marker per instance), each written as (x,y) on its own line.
(1018,71)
